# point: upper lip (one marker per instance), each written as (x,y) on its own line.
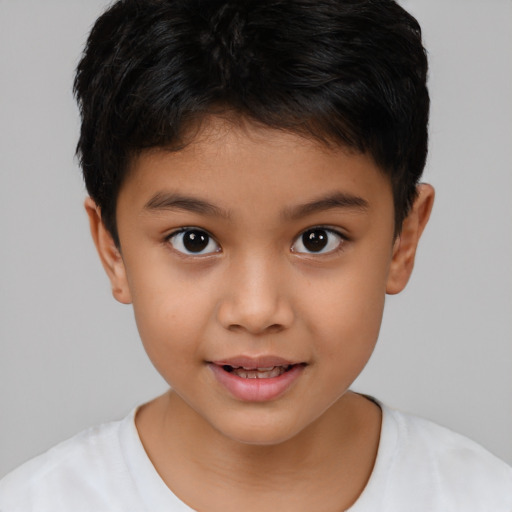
(249,362)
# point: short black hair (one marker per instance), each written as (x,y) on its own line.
(346,72)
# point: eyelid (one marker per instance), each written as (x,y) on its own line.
(185,253)
(332,231)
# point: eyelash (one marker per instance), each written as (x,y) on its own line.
(204,238)
(198,232)
(342,239)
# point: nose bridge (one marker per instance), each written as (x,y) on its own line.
(254,297)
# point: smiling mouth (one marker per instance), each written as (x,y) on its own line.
(257,373)
(256,379)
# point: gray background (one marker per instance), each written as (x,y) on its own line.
(70,355)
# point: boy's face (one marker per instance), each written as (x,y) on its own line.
(260,249)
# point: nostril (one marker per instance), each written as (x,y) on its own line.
(274,328)
(256,329)
(255,315)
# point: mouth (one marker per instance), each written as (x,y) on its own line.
(257,379)
(268,372)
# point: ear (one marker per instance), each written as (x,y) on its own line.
(109,254)
(404,249)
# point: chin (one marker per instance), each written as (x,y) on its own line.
(259,432)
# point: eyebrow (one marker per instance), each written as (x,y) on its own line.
(333,201)
(172,201)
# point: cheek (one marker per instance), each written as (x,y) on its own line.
(346,311)
(352,325)
(346,339)
(171,314)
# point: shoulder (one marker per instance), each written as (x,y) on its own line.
(81,466)
(458,470)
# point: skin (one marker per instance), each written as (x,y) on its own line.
(258,292)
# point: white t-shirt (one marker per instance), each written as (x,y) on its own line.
(420,467)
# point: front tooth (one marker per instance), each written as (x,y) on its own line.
(260,373)
(247,374)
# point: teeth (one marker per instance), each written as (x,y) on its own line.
(259,373)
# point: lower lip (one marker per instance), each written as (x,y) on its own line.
(256,390)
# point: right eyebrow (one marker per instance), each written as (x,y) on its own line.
(172,201)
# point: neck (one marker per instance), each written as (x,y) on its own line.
(323,467)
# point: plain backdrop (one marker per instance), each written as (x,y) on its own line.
(70,356)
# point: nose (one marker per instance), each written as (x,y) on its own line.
(255,298)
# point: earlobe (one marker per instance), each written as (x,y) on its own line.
(404,250)
(108,252)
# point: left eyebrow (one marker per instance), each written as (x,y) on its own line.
(337,200)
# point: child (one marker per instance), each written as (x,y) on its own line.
(253,170)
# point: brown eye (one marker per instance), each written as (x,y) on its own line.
(315,240)
(318,241)
(193,242)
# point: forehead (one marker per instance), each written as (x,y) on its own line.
(242,165)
